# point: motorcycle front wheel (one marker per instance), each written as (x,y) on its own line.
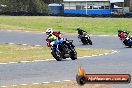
(56,55)
(90,42)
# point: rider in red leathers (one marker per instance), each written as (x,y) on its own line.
(122,34)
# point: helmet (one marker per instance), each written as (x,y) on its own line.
(119,31)
(78,28)
(49,31)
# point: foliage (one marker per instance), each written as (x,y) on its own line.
(29,6)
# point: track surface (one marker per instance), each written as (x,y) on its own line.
(52,70)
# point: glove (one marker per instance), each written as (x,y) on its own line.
(48,44)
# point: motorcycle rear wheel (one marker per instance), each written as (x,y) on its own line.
(84,41)
(73,54)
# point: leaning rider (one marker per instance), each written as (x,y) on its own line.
(80,32)
(53,38)
(122,34)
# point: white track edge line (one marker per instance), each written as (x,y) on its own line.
(3,86)
(45,32)
(46,82)
(113,51)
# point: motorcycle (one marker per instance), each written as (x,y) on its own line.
(125,38)
(64,50)
(85,39)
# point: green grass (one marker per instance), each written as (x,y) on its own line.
(16,53)
(66,24)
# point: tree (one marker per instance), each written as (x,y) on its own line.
(29,6)
(37,6)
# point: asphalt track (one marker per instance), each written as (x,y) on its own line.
(47,71)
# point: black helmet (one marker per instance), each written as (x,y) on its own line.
(78,28)
(120,31)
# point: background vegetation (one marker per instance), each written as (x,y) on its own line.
(25,6)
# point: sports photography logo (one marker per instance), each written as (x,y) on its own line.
(83,78)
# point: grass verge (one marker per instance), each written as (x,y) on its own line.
(62,85)
(65,24)
(16,53)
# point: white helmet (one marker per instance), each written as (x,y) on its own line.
(49,31)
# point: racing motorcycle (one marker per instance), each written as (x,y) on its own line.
(85,38)
(64,50)
(125,38)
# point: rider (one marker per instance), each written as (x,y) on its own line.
(53,38)
(80,32)
(122,34)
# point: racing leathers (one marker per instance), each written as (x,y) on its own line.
(54,39)
(80,32)
(124,35)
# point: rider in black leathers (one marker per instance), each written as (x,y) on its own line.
(80,32)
